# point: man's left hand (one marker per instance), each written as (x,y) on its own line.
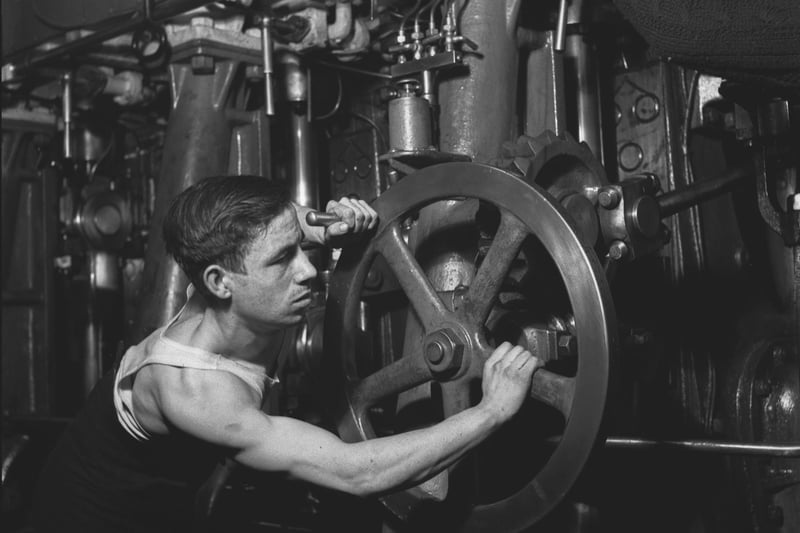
(356,217)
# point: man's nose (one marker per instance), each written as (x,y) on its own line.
(305,270)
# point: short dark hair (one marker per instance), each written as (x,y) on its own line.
(216,220)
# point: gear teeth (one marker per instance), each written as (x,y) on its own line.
(541,141)
(568,137)
(522,164)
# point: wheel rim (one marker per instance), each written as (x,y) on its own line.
(581,399)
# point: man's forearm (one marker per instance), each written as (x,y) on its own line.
(410,458)
(387,464)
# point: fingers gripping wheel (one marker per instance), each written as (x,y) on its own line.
(454,341)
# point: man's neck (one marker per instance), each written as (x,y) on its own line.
(218,331)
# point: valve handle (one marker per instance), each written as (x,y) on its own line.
(319,218)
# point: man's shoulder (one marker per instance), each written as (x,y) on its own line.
(203,385)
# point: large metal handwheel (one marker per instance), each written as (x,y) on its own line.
(454,345)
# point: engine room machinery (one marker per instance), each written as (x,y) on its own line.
(613,184)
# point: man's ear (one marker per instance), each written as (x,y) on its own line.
(216,279)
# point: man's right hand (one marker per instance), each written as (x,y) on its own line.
(507,379)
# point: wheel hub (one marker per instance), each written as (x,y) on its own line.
(450,346)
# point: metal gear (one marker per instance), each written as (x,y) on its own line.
(565,168)
(454,343)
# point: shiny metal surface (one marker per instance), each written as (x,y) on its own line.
(409,123)
(266,54)
(196,146)
(674,201)
(580,68)
(66,110)
(477,111)
(580,399)
(789,449)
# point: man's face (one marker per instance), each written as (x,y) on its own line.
(275,290)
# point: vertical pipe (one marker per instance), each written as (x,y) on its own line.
(561,26)
(66,101)
(304,186)
(477,111)
(196,146)
(545,99)
(580,67)
(304,189)
(266,51)
(477,108)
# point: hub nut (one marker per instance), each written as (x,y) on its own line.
(443,351)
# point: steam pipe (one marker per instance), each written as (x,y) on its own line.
(162,11)
(343,23)
(304,186)
(676,201)
(196,145)
(700,445)
(266,51)
(580,66)
(561,26)
(66,100)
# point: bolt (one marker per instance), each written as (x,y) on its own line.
(617,250)
(202,64)
(443,350)
(434,352)
(567,345)
(374,279)
(652,183)
(608,198)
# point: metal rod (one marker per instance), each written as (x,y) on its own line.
(66,101)
(266,51)
(707,446)
(354,70)
(561,26)
(675,201)
(161,12)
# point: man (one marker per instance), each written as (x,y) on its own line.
(189,395)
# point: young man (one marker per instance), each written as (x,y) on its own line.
(189,395)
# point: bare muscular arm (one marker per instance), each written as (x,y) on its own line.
(218,408)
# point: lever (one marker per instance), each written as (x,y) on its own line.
(318,218)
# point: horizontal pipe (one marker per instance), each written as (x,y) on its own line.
(705,446)
(162,11)
(675,201)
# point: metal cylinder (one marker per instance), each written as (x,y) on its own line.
(196,146)
(105,272)
(304,186)
(583,81)
(478,107)
(266,57)
(66,101)
(295,78)
(409,124)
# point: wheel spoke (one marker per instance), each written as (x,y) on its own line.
(495,266)
(455,397)
(423,297)
(403,374)
(554,390)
